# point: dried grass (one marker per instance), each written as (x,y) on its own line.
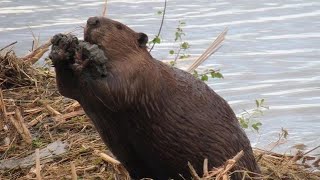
(30,93)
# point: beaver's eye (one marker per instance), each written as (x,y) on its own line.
(119,26)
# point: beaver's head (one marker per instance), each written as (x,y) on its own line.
(115,38)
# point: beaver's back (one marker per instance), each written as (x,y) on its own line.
(200,124)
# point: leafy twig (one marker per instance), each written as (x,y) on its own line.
(162,20)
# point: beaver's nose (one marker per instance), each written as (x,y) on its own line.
(93,21)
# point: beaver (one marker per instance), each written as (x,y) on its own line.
(153,117)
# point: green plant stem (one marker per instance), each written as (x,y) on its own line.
(162,20)
(177,55)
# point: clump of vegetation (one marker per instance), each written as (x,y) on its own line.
(208,73)
(250,119)
(183,46)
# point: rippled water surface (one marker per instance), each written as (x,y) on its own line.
(272,50)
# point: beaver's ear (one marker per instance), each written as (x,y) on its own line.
(142,39)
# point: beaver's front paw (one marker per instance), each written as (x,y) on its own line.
(91,59)
(63,48)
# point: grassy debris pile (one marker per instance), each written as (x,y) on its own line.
(15,73)
(279,166)
(35,116)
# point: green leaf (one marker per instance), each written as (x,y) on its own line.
(204,77)
(156,40)
(172,63)
(243,122)
(285,133)
(171,52)
(195,74)
(159,12)
(185,45)
(184,56)
(258,123)
(257,103)
(244,125)
(215,74)
(255,127)
(178,36)
(219,75)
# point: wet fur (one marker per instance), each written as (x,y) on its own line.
(153,117)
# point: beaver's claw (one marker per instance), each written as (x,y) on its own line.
(63,48)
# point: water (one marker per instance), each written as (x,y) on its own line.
(272,50)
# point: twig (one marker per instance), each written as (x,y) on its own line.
(18,127)
(162,20)
(90,168)
(311,150)
(50,109)
(37,119)
(104,12)
(18,115)
(8,45)
(69,115)
(116,163)
(178,53)
(35,41)
(36,54)
(107,158)
(193,172)
(23,126)
(316,163)
(205,167)
(211,49)
(278,142)
(30,111)
(73,171)
(231,162)
(298,156)
(221,173)
(38,168)
(72,107)
(2,106)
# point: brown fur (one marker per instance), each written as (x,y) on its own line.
(153,117)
